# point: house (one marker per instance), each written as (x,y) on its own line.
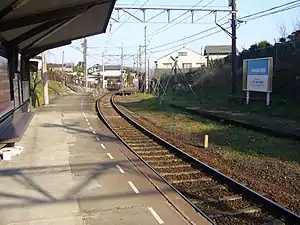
(186,59)
(66,67)
(212,52)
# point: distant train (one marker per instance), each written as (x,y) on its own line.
(113,87)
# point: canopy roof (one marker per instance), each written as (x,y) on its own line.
(36,25)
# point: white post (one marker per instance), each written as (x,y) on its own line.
(85,63)
(122,78)
(45,78)
(103,70)
(247,97)
(146,75)
(268,98)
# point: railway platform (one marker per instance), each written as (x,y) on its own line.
(74,171)
(278,127)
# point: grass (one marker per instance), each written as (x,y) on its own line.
(219,99)
(54,89)
(239,141)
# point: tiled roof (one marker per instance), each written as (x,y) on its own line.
(217,49)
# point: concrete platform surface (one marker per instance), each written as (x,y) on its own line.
(72,173)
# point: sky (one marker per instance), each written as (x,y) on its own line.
(130,33)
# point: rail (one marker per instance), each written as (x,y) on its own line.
(263,202)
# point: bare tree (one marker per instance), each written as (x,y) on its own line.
(282,30)
(297,24)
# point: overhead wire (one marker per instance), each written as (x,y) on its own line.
(129,5)
(193,40)
(92,56)
(110,32)
(129,17)
(270,9)
(241,18)
(275,12)
(158,30)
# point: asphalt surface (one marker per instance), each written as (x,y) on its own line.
(72,172)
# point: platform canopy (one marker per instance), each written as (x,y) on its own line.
(37,25)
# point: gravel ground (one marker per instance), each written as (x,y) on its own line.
(276,179)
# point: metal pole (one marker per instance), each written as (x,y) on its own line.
(122,78)
(137,59)
(233,47)
(45,78)
(85,62)
(146,75)
(140,65)
(140,58)
(62,66)
(103,71)
(157,79)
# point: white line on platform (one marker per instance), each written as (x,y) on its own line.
(156,216)
(120,169)
(98,139)
(110,156)
(103,146)
(133,187)
(91,128)
(94,132)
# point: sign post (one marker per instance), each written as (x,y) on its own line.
(257,76)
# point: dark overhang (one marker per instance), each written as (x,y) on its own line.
(35,25)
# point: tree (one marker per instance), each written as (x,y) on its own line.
(253,47)
(35,80)
(79,70)
(297,24)
(282,30)
(263,44)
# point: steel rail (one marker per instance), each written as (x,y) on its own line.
(265,203)
(145,162)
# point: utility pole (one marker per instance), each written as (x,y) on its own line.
(85,61)
(140,58)
(45,78)
(233,47)
(146,75)
(103,70)
(62,67)
(137,60)
(122,78)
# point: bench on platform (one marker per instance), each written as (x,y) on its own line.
(14,126)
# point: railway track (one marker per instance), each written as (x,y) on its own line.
(218,197)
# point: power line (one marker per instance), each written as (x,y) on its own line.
(110,33)
(78,49)
(129,5)
(129,17)
(202,37)
(182,39)
(247,16)
(155,31)
(173,6)
(275,12)
(164,22)
(270,9)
